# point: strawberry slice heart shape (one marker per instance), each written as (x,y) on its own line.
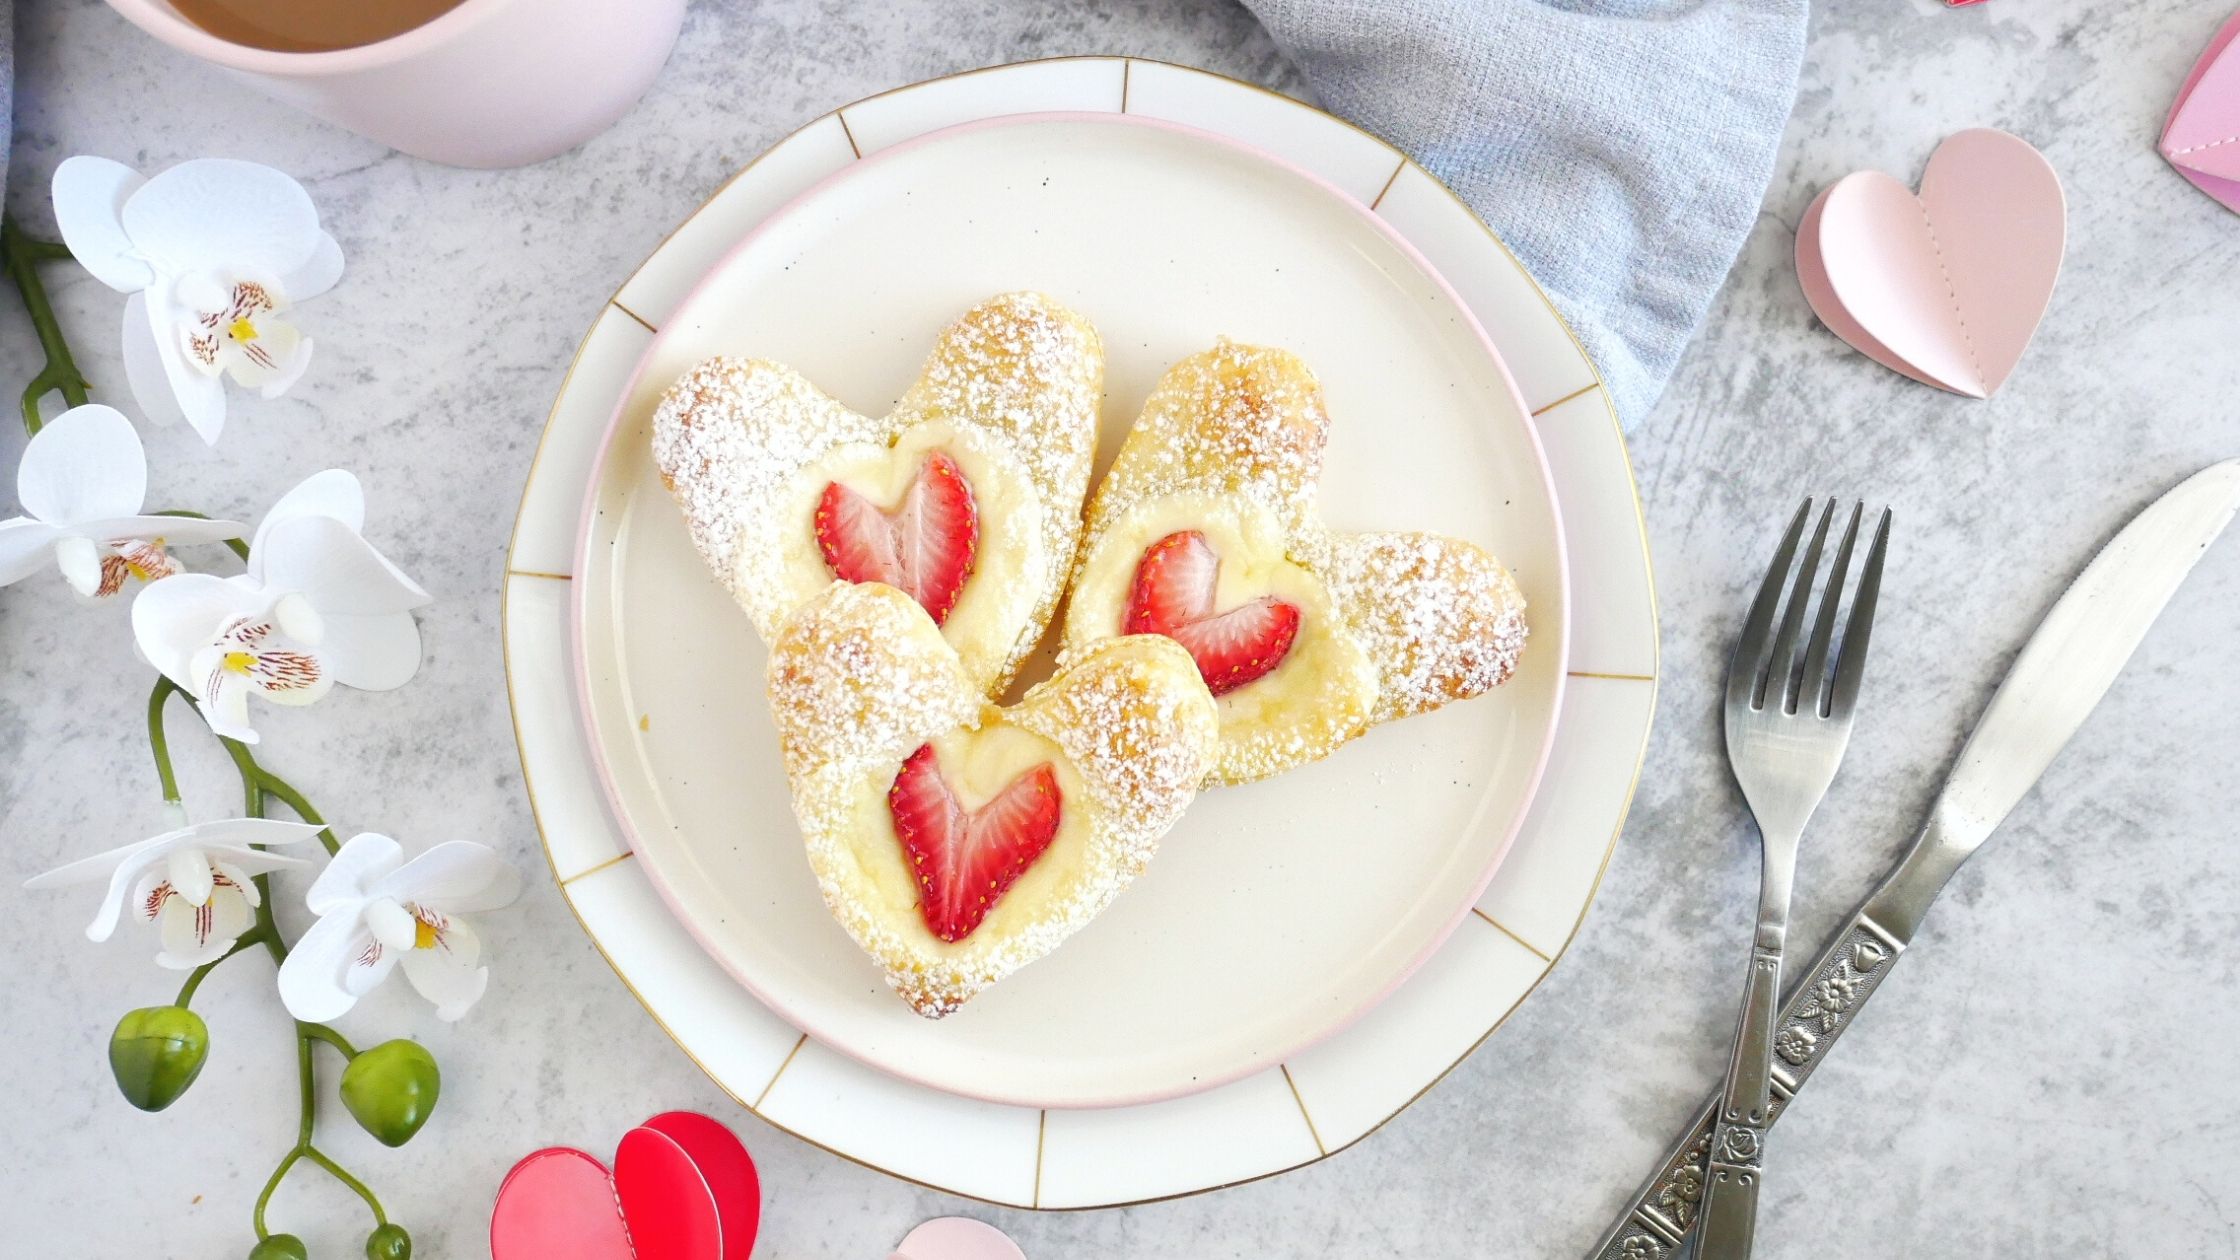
(955,840)
(682,1188)
(1205,531)
(967,495)
(1946,286)
(2202,136)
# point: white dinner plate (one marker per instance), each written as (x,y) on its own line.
(1275,914)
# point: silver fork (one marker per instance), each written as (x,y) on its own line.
(1787,725)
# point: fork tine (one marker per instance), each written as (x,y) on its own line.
(1815,684)
(1853,662)
(1780,671)
(1750,651)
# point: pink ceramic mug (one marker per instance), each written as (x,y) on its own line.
(489,83)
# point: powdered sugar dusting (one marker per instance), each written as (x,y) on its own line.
(1235,419)
(1019,377)
(1438,618)
(860,678)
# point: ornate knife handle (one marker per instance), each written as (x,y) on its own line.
(1820,1006)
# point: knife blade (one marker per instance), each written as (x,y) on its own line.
(2064,669)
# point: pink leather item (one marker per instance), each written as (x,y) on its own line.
(490,83)
(2202,135)
(1948,285)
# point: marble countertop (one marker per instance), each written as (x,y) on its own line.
(2048,1074)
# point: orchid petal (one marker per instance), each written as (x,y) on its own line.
(144,369)
(452,985)
(277,368)
(25,545)
(201,399)
(327,561)
(89,197)
(315,977)
(194,935)
(84,465)
(223,702)
(334,493)
(173,530)
(80,562)
(391,924)
(455,876)
(256,861)
(175,618)
(189,873)
(378,653)
(365,860)
(318,273)
(211,211)
(234,832)
(291,370)
(123,866)
(105,863)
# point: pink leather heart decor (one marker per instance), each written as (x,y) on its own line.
(957,1238)
(2202,136)
(683,1188)
(1945,286)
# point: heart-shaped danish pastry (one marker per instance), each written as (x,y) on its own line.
(1205,531)
(957,841)
(967,496)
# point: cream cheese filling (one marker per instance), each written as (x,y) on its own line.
(1325,688)
(977,764)
(1011,561)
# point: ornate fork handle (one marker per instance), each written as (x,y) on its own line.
(1819,1008)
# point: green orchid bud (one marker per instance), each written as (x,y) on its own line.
(391,1090)
(280,1247)
(156,1052)
(389,1242)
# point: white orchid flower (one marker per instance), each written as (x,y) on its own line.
(195,880)
(213,253)
(317,606)
(83,482)
(377,912)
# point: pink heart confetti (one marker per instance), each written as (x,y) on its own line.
(683,1188)
(957,1238)
(1946,286)
(2202,136)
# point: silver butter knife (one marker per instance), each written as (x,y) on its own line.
(2062,672)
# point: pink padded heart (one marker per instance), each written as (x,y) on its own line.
(2202,136)
(957,1238)
(682,1189)
(1946,286)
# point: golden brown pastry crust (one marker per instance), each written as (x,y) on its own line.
(1439,619)
(860,678)
(1019,377)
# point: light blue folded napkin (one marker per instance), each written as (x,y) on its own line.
(1620,147)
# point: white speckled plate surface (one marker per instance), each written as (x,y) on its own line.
(1276,914)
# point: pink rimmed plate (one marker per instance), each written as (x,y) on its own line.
(1276,914)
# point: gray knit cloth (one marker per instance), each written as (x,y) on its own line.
(1620,147)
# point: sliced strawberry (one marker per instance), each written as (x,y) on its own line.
(1242,644)
(1174,583)
(924,548)
(967,861)
(1173,596)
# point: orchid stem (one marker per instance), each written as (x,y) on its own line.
(157,743)
(249,940)
(357,1187)
(272,1183)
(323,1033)
(21,256)
(235,545)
